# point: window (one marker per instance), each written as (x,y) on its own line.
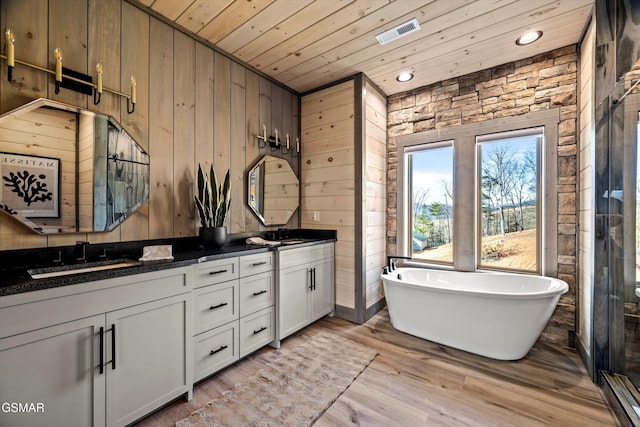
(431,202)
(473,195)
(508,184)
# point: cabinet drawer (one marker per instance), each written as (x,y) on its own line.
(256,330)
(215,349)
(297,256)
(215,305)
(218,271)
(256,292)
(254,264)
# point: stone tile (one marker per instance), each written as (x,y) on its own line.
(399,116)
(408,101)
(424,97)
(501,81)
(498,106)
(477,118)
(526,93)
(566,128)
(424,125)
(557,70)
(502,70)
(567,166)
(567,204)
(509,112)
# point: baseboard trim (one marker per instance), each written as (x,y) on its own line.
(346,313)
(586,359)
(374,308)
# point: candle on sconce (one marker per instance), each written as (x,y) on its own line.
(58,54)
(99,79)
(264,132)
(277,142)
(11,56)
(133,90)
(297,145)
(287,138)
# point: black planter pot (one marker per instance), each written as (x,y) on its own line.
(213,237)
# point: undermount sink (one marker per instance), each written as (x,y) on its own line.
(67,270)
(294,241)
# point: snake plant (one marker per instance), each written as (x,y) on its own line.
(212,200)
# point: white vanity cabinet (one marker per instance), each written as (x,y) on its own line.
(216,341)
(100,353)
(305,286)
(234,310)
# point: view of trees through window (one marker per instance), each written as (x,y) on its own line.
(432,203)
(508,197)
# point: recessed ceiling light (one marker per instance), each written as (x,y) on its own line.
(528,38)
(404,77)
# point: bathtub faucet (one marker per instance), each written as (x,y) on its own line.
(392,265)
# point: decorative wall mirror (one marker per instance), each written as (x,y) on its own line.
(68,170)
(273,190)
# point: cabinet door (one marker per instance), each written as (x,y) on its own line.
(151,354)
(294,300)
(322,296)
(56,371)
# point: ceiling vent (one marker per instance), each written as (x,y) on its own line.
(399,31)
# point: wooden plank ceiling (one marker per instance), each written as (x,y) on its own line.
(305,44)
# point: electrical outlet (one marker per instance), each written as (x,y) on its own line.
(316,216)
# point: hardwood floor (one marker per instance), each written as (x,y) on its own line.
(413,382)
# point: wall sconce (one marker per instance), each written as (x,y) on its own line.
(275,143)
(77,78)
(11,55)
(98,89)
(58,54)
(133,96)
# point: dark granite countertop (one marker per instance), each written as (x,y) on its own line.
(14,265)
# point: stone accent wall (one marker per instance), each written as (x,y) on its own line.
(545,81)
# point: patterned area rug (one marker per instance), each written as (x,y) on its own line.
(293,390)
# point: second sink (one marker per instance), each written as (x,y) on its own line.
(66,270)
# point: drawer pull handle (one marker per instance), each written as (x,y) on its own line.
(222,347)
(257,331)
(218,272)
(255,264)
(255,294)
(222,304)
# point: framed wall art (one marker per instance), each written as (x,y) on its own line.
(30,185)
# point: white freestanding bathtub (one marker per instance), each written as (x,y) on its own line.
(497,315)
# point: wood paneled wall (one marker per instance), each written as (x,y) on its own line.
(328,171)
(586,206)
(375,188)
(194,105)
(344,168)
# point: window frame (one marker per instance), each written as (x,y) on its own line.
(465,186)
(540,189)
(446,143)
